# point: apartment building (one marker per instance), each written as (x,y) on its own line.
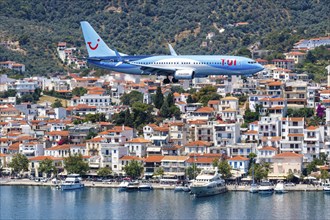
(313,142)
(292,135)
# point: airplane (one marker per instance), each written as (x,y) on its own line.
(179,67)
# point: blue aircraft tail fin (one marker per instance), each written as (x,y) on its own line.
(96,47)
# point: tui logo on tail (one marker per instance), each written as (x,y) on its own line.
(90,45)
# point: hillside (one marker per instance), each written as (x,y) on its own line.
(145,26)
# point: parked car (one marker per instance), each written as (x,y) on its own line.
(108,181)
(290,184)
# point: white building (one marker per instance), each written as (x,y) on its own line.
(93,100)
(313,142)
(292,135)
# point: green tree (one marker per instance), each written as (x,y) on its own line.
(19,163)
(128,120)
(290,176)
(164,110)
(175,111)
(324,175)
(47,166)
(132,97)
(260,171)
(177,89)
(159,172)
(190,99)
(141,114)
(8,93)
(170,99)
(159,98)
(57,104)
(224,168)
(104,172)
(252,157)
(76,164)
(250,116)
(244,52)
(192,171)
(206,94)
(215,163)
(90,135)
(134,169)
(79,91)
(95,117)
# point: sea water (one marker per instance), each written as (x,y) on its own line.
(31,202)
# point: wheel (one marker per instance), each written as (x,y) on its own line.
(166,81)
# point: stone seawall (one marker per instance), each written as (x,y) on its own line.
(24,182)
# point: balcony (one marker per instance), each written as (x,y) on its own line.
(94,164)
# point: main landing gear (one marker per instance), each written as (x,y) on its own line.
(167,80)
(174,80)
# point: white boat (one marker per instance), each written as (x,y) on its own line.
(208,183)
(266,187)
(181,189)
(254,188)
(145,187)
(72,181)
(280,188)
(326,187)
(133,186)
(123,186)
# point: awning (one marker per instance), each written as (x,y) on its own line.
(158,149)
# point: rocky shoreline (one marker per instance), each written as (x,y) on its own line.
(237,188)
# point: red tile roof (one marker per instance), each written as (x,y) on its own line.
(38,158)
(238,158)
(59,133)
(268,148)
(287,154)
(138,140)
(127,157)
(205,110)
(153,159)
(198,143)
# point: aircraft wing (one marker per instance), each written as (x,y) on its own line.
(156,70)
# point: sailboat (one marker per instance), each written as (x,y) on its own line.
(254,188)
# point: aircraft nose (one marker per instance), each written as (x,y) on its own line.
(259,67)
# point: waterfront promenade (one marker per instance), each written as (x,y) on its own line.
(27,182)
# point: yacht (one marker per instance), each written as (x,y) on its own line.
(132,186)
(182,189)
(280,188)
(254,188)
(72,181)
(208,183)
(122,186)
(266,187)
(326,187)
(145,187)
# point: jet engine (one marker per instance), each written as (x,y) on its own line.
(184,74)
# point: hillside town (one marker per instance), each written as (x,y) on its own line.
(257,116)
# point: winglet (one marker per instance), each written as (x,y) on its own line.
(173,53)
